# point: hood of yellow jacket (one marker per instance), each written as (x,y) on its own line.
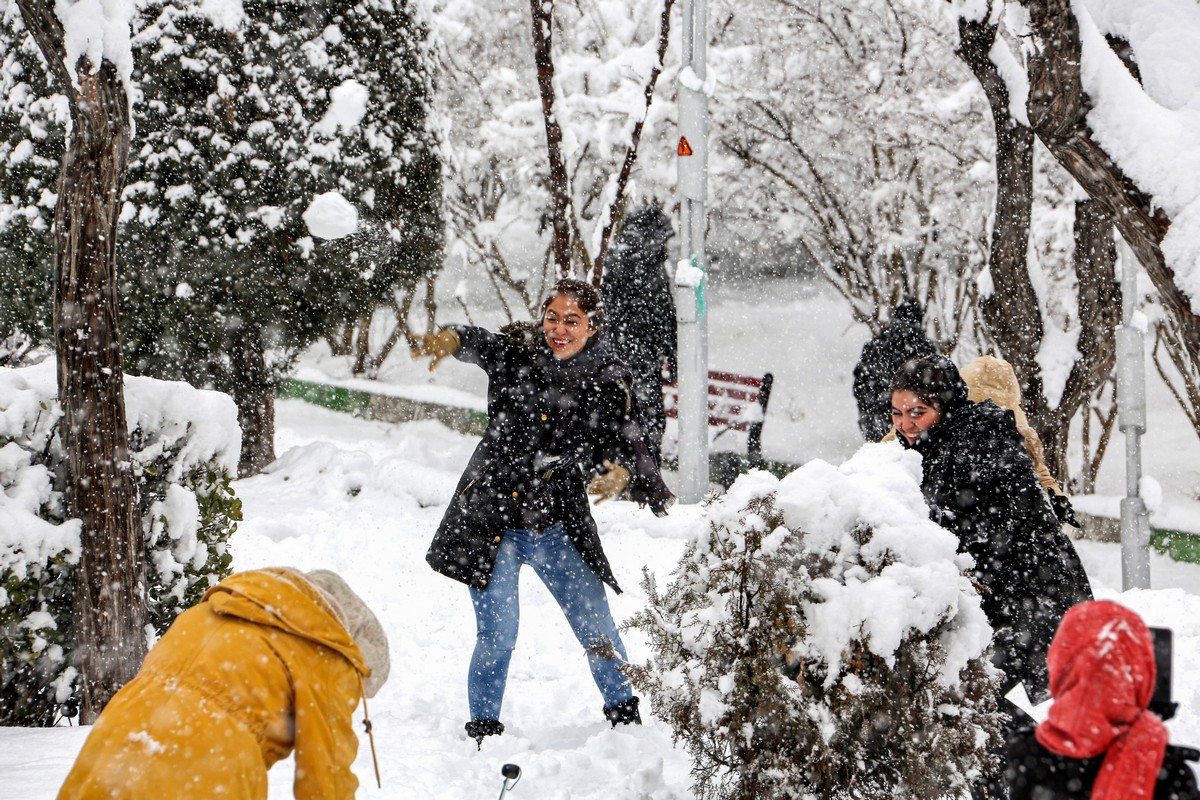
(281,598)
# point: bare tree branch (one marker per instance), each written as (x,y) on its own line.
(560,192)
(635,136)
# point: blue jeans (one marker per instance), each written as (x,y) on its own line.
(580,594)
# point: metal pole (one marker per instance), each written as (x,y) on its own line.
(690,274)
(1131,419)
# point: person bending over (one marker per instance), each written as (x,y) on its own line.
(270,662)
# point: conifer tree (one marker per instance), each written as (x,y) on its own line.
(241,128)
(32,127)
(820,641)
(240,121)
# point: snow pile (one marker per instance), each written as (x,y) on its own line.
(820,636)
(32,527)
(904,578)
(184,446)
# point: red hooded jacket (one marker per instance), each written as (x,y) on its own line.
(1102,675)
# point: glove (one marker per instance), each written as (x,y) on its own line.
(1062,510)
(942,516)
(610,484)
(439,344)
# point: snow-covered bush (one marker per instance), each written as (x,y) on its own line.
(183,449)
(823,641)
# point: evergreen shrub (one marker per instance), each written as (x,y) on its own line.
(821,640)
(183,451)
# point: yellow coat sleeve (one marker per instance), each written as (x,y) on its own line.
(326,742)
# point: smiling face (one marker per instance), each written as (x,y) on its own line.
(912,416)
(566,327)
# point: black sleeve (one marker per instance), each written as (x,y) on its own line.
(620,437)
(481,347)
(1177,779)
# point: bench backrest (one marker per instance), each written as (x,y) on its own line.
(734,401)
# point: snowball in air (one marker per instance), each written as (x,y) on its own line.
(331,216)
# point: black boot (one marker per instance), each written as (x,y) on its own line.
(624,714)
(479,728)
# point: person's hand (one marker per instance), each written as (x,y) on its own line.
(439,344)
(609,484)
(942,516)
(1062,510)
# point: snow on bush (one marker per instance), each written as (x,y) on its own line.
(823,641)
(184,444)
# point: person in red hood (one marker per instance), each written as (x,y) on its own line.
(1100,740)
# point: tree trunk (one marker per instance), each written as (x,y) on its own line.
(109,601)
(560,191)
(1058,114)
(254,396)
(1099,315)
(1011,311)
(362,343)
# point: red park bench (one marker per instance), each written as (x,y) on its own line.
(735,402)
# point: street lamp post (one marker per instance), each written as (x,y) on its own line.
(690,273)
(1131,419)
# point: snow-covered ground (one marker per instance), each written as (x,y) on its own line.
(363,498)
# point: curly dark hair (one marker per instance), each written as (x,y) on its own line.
(584,294)
(934,380)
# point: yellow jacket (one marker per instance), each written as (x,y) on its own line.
(261,666)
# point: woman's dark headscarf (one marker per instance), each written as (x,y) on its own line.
(934,380)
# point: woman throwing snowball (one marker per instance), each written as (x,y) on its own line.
(562,422)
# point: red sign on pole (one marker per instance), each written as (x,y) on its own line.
(684,148)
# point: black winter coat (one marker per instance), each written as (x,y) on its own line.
(1035,773)
(979,482)
(900,341)
(639,310)
(551,425)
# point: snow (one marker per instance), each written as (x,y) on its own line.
(1151,129)
(1015,79)
(879,489)
(347,106)
(363,497)
(1151,493)
(303,512)
(441,395)
(331,216)
(687,274)
(201,425)
(225,14)
(98,30)
(1056,356)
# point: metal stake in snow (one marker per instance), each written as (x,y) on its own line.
(511,774)
(1131,419)
(690,307)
